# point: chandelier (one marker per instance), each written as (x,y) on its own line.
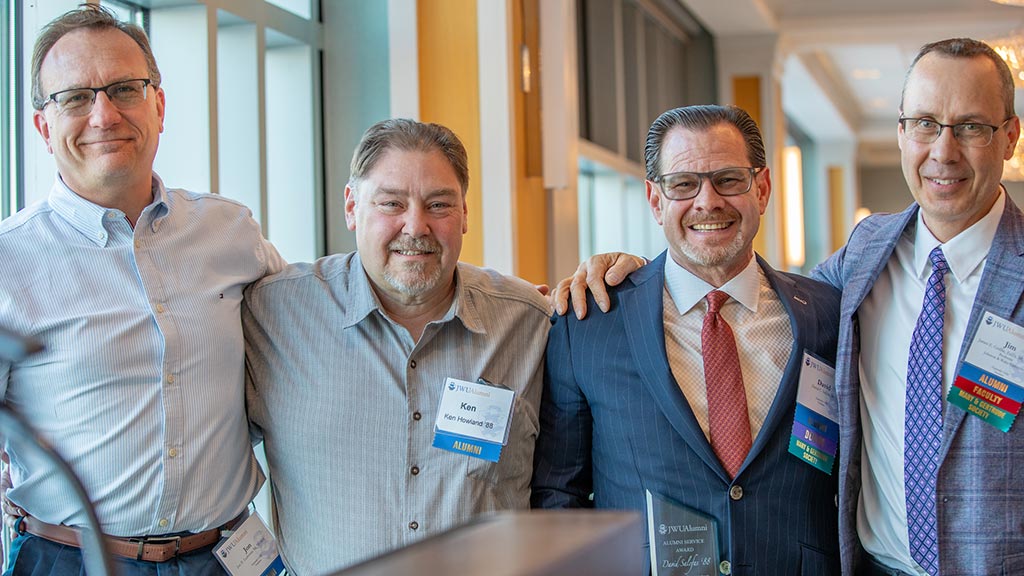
(1013,169)
(1011,49)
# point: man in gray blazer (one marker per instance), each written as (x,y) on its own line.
(925,487)
(957,126)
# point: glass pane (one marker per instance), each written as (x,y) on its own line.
(128,12)
(291,186)
(298,7)
(8,109)
(238,113)
(613,213)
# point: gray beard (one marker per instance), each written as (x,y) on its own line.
(713,256)
(413,280)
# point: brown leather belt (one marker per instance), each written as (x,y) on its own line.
(148,548)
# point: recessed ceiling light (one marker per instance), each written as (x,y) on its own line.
(866,73)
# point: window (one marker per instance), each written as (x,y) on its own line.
(9,114)
(614,213)
(636,60)
(128,12)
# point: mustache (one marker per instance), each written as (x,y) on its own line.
(415,245)
(716,215)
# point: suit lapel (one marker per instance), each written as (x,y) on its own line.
(643,309)
(876,251)
(796,302)
(999,292)
(865,259)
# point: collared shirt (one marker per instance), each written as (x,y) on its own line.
(347,402)
(140,387)
(887,319)
(759,322)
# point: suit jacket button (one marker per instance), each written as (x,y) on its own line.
(736,492)
(725,567)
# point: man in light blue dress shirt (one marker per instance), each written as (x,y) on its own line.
(135,290)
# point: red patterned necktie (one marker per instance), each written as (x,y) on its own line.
(728,422)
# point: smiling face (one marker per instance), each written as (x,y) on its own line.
(108,152)
(409,215)
(955,185)
(709,235)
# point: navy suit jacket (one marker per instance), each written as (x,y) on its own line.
(980,491)
(614,422)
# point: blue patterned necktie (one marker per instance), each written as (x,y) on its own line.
(923,435)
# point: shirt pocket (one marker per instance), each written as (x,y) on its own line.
(516,461)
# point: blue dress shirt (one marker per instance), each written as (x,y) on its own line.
(140,386)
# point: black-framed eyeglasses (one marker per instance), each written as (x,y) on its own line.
(973,134)
(78,101)
(726,182)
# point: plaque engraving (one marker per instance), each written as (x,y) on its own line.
(683,541)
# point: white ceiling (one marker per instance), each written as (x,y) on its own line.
(844,60)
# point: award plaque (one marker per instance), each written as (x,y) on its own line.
(683,541)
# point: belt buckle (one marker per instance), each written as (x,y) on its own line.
(156,540)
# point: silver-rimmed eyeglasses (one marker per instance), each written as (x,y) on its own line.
(726,182)
(78,101)
(973,134)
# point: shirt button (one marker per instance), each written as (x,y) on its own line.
(736,492)
(170,378)
(163,522)
(414,525)
(415,470)
(416,415)
(173,452)
(159,308)
(412,364)
(725,567)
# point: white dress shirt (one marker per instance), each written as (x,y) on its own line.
(887,319)
(759,322)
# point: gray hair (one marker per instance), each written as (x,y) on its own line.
(700,118)
(967,48)
(86,16)
(410,136)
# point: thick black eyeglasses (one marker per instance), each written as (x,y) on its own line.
(726,182)
(78,101)
(973,134)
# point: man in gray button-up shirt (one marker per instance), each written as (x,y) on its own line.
(347,358)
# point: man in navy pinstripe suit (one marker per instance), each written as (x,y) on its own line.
(627,406)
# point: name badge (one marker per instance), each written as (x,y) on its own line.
(988,384)
(815,435)
(250,550)
(473,418)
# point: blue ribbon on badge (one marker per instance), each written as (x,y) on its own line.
(469,446)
